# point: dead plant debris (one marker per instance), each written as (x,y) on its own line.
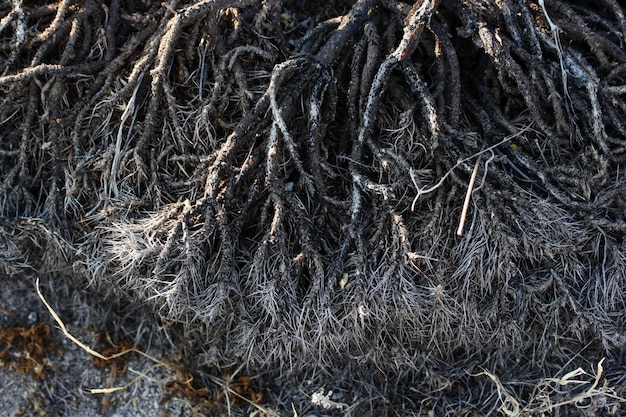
(180,381)
(25,349)
(108,349)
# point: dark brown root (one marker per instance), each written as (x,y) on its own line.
(287,181)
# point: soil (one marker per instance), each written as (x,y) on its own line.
(140,385)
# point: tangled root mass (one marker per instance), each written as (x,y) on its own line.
(288,178)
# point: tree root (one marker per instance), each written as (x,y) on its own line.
(293,188)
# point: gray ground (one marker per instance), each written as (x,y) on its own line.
(71,373)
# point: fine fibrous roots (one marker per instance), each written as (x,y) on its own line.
(418,189)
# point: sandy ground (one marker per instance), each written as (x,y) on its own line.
(142,386)
(70,373)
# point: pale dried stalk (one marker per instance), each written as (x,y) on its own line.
(470,187)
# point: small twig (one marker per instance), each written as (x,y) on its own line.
(80,344)
(421,192)
(93,352)
(113,389)
(470,187)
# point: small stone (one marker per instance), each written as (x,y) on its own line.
(32,317)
